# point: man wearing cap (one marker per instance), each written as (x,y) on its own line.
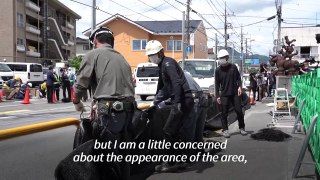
(109,75)
(228,91)
(172,84)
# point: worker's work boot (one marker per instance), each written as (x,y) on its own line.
(243,132)
(226,134)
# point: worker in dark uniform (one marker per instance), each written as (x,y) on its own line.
(109,75)
(50,84)
(173,84)
(56,84)
(66,86)
(228,91)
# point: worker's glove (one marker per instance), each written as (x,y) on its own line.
(79,107)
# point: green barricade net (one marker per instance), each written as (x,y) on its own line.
(307,87)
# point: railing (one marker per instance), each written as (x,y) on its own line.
(64,40)
(32,29)
(57,46)
(308,86)
(32,6)
(307,55)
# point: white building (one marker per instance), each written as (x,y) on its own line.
(306,43)
(82,46)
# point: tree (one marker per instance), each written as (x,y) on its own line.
(75,62)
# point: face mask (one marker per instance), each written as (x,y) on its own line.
(223,62)
(154,59)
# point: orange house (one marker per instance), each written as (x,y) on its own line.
(131,38)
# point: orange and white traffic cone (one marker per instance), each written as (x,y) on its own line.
(251,98)
(1,94)
(26,99)
(54,99)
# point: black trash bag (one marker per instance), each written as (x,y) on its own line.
(174,121)
(270,134)
(83,133)
(67,169)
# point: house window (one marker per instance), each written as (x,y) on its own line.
(177,45)
(20,42)
(305,52)
(138,45)
(20,21)
(86,47)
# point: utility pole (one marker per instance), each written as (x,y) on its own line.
(232,57)
(241,69)
(93,23)
(188,23)
(279,14)
(246,48)
(216,50)
(183,39)
(225,25)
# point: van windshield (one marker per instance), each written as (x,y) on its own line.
(148,72)
(4,68)
(35,68)
(200,68)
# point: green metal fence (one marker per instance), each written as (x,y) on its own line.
(308,86)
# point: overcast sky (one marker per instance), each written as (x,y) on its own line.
(239,12)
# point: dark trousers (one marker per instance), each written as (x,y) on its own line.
(186,129)
(254,91)
(117,123)
(66,87)
(57,91)
(49,93)
(225,104)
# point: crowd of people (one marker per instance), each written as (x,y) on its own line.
(64,79)
(106,71)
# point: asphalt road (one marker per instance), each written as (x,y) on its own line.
(14,114)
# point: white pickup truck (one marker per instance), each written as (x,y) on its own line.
(202,71)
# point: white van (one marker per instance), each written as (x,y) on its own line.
(28,72)
(202,71)
(5,73)
(146,80)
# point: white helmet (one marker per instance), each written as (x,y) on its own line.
(153,47)
(223,53)
(100,30)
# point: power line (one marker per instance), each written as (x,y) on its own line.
(157,9)
(97,8)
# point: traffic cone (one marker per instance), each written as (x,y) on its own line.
(1,94)
(72,93)
(54,99)
(26,99)
(251,98)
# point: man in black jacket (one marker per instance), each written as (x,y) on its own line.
(50,84)
(228,91)
(172,84)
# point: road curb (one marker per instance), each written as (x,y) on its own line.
(29,129)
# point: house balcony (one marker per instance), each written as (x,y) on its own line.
(33,54)
(32,29)
(21,48)
(70,26)
(70,43)
(32,51)
(308,55)
(32,6)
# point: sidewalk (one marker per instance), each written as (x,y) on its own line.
(265,160)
